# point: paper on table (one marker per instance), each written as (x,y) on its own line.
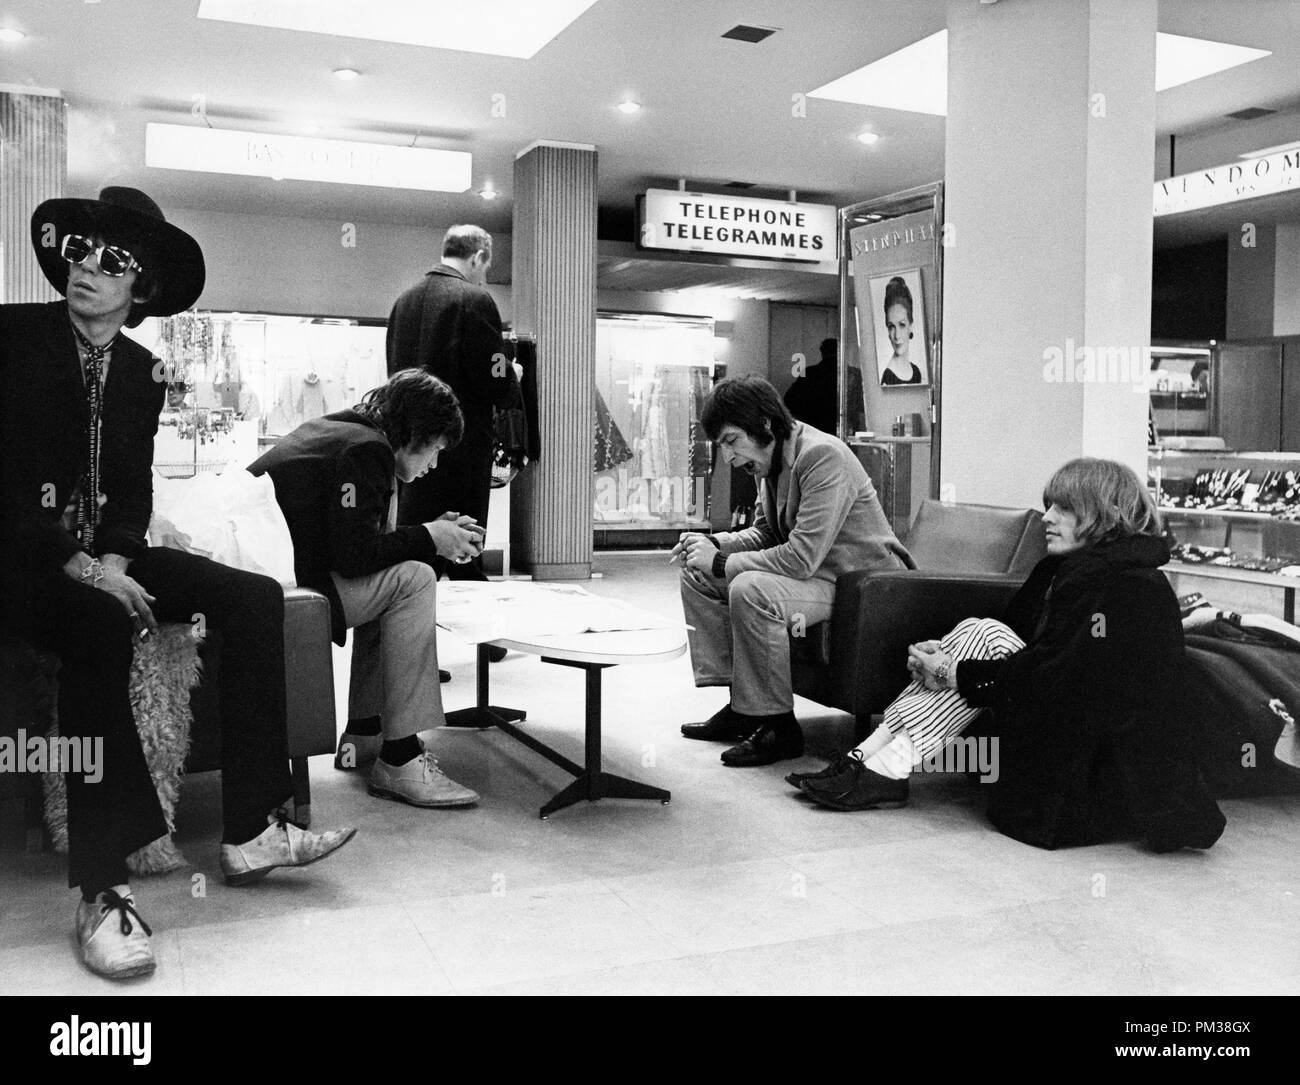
(492,610)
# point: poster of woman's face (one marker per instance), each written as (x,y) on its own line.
(902,347)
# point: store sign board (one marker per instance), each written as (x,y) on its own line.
(737,226)
(303,158)
(1244,180)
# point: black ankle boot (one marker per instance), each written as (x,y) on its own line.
(771,739)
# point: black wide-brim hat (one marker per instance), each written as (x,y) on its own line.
(129,218)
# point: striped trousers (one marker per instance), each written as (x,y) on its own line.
(919,722)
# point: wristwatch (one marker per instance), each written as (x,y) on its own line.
(942,672)
(720,566)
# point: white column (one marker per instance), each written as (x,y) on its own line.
(1049,167)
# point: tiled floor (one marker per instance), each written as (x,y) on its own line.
(737,886)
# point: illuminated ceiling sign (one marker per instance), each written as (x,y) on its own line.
(509,28)
(304,158)
(1226,184)
(737,226)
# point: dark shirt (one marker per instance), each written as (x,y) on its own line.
(889,377)
(44,422)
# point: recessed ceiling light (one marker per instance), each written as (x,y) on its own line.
(915,78)
(868,138)
(346,74)
(8,35)
(508,28)
(628,106)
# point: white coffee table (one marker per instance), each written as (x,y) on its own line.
(591,652)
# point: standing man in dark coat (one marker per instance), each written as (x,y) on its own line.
(79,407)
(448,324)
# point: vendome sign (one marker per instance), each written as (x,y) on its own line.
(737,226)
(1225,184)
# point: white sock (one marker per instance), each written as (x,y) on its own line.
(879,738)
(894,760)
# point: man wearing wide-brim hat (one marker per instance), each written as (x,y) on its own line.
(79,405)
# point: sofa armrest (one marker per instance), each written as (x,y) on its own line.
(878,614)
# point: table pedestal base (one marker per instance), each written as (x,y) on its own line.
(591,782)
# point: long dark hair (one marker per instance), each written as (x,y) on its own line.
(414,408)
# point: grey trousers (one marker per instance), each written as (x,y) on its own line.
(394,647)
(741,633)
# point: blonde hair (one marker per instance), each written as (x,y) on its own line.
(1108,499)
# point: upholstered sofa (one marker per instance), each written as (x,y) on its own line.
(970,561)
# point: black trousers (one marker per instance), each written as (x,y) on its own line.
(462,482)
(92,634)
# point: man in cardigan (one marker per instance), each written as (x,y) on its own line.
(743,591)
(336,480)
(79,406)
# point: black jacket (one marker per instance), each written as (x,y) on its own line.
(1096,739)
(44,415)
(333,481)
(451,327)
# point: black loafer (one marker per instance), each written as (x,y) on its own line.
(860,789)
(766,746)
(496,653)
(722,726)
(444,676)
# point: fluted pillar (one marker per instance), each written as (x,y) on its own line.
(554,298)
(33,167)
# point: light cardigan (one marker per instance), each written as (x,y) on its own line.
(823,520)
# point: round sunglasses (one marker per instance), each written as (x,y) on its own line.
(113,259)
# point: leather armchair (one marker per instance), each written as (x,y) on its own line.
(970,558)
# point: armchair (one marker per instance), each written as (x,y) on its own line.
(970,558)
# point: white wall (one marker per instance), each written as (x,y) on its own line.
(277,264)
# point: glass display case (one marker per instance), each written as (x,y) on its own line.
(1234,518)
(236,381)
(652,460)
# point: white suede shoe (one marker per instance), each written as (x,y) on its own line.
(114,940)
(282,844)
(419,782)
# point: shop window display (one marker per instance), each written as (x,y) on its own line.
(651,457)
(238,381)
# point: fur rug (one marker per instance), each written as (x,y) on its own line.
(164,670)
